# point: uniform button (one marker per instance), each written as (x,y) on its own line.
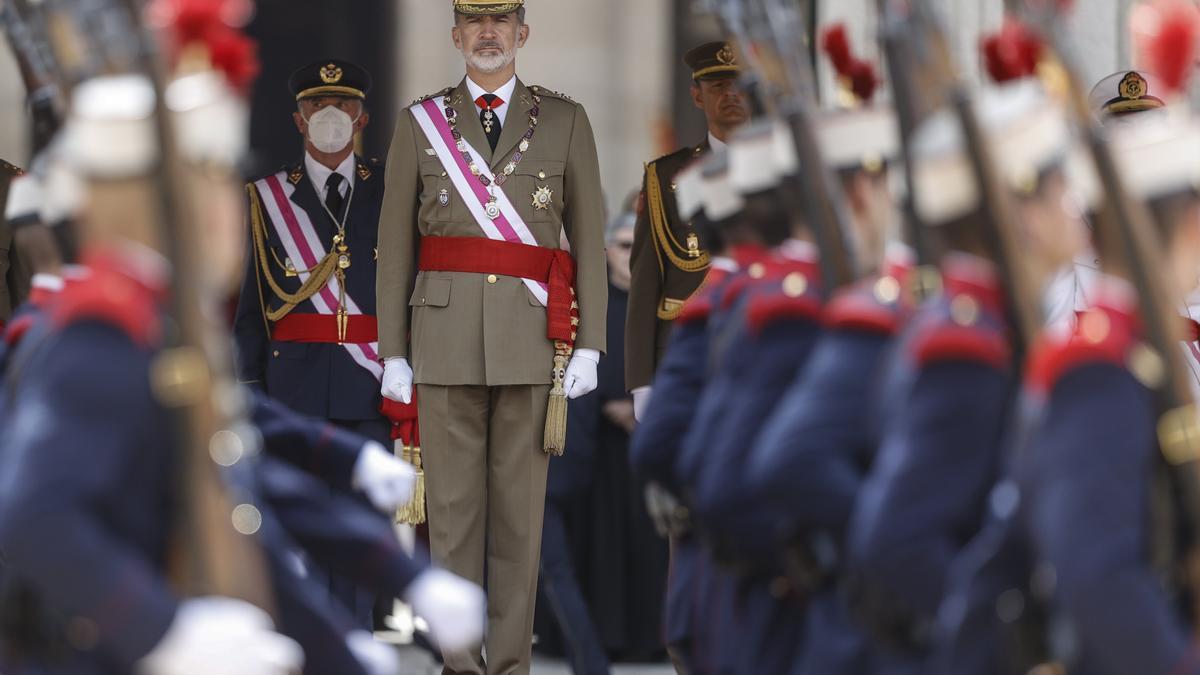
(276,352)
(491,278)
(542,175)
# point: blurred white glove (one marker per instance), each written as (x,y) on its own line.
(670,518)
(374,656)
(384,478)
(397,380)
(453,607)
(641,399)
(581,375)
(222,636)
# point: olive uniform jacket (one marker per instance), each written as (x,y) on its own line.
(666,263)
(479,329)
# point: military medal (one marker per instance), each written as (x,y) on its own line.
(693,244)
(289,268)
(492,208)
(488,117)
(444,197)
(511,166)
(339,242)
(542,197)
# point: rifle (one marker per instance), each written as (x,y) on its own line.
(47,105)
(192,375)
(1127,241)
(783,66)
(915,96)
(1023,305)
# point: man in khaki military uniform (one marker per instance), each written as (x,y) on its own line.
(667,262)
(481,180)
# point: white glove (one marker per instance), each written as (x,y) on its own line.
(397,380)
(374,656)
(641,399)
(384,478)
(453,607)
(222,636)
(581,375)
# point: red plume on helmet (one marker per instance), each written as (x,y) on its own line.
(1166,34)
(857,75)
(213,27)
(1011,53)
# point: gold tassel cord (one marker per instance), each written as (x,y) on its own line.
(555,439)
(662,230)
(413,513)
(318,275)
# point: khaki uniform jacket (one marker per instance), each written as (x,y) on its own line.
(14,269)
(658,287)
(473,329)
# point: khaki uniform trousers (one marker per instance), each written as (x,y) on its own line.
(485,474)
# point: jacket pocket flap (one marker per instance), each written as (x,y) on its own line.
(431,292)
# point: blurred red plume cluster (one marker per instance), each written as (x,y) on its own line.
(1165,36)
(216,26)
(859,74)
(1011,53)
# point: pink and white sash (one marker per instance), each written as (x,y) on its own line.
(300,240)
(509,226)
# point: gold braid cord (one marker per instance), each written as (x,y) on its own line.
(665,239)
(318,275)
(413,513)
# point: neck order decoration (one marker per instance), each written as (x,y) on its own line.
(491,208)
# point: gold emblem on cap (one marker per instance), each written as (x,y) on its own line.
(726,56)
(331,74)
(1133,86)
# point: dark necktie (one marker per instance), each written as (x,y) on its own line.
(488,117)
(333,194)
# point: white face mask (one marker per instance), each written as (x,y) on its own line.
(330,129)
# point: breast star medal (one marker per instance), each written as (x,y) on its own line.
(542,197)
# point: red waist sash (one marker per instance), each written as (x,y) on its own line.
(360,328)
(478,255)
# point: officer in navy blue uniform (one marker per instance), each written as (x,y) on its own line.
(298,352)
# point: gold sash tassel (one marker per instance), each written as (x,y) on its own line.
(555,439)
(413,513)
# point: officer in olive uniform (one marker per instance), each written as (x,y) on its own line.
(481,310)
(8,297)
(668,262)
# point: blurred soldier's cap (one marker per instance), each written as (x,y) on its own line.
(24,201)
(862,139)
(689,190)
(1027,134)
(330,77)
(1124,93)
(712,61)
(478,7)
(1156,156)
(753,163)
(721,200)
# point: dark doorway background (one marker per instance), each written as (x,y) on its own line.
(292,33)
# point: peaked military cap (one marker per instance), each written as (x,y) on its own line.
(712,61)
(1124,93)
(330,77)
(478,7)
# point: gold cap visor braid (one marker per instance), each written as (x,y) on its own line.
(479,7)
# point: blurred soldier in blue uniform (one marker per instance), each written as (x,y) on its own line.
(769,327)
(89,381)
(815,448)
(942,450)
(704,195)
(305,324)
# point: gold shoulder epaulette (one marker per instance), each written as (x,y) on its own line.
(542,91)
(435,94)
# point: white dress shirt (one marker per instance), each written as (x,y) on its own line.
(715,143)
(318,173)
(505,93)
